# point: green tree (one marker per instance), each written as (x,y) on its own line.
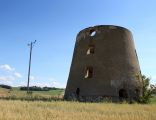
(147,90)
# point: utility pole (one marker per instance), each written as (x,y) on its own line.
(31,46)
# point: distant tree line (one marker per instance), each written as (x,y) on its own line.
(5,86)
(36,88)
(32,88)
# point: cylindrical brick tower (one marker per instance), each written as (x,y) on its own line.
(104,65)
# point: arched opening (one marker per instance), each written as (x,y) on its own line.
(92,33)
(78,92)
(123,94)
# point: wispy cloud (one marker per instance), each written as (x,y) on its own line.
(47,84)
(58,84)
(18,75)
(32,77)
(153,80)
(6,67)
(45,81)
(7,78)
(10,74)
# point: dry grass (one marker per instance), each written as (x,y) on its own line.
(22,110)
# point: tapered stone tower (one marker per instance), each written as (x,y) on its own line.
(104,65)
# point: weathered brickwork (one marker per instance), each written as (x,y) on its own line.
(104,65)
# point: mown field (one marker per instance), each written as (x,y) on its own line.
(63,110)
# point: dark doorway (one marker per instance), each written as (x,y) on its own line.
(123,94)
(77,92)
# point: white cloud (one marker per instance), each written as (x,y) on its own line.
(47,84)
(154,77)
(32,77)
(10,74)
(40,84)
(58,84)
(7,78)
(6,67)
(18,75)
(153,80)
(7,83)
(45,81)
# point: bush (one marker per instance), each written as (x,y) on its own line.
(147,90)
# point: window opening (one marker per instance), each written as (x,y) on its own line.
(90,50)
(89,72)
(92,33)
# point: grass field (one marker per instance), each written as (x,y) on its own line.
(16,93)
(61,110)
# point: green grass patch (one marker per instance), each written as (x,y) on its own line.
(16,94)
(153,100)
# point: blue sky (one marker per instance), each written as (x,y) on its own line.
(55,24)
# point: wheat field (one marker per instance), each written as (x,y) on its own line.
(61,110)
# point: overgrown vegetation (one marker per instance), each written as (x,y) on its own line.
(147,90)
